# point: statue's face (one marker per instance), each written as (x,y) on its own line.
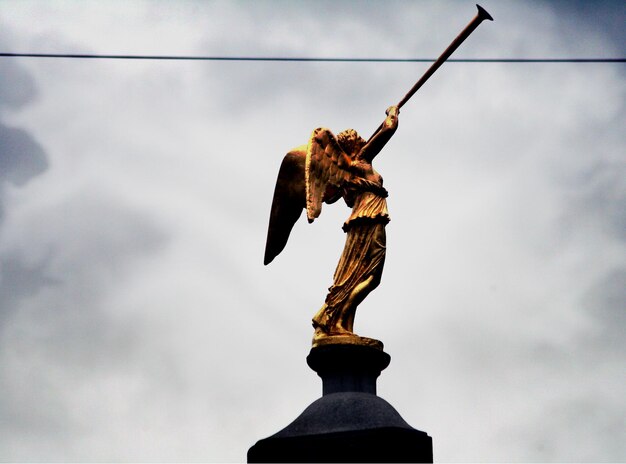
(350,142)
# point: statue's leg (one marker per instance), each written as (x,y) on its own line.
(325,321)
(376,254)
(360,292)
(358,273)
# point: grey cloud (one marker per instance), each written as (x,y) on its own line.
(572,430)
(104,238)
(600,197)
(21,156)
(17,87)
(326,29)
(18,281)
(604,17)
(582,420)
(58,339)
(605,302)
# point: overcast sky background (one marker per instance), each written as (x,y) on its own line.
(137,321)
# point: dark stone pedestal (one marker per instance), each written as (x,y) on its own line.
(349,423)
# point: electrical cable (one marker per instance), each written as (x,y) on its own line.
(314,59)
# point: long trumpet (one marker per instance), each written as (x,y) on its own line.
(465,33)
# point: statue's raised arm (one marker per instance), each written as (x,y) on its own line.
(376,143)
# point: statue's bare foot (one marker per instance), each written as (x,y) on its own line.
(341,331)
(319,333)
(322,332)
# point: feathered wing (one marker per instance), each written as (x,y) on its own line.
(324,171)
(308,176)
(288,203)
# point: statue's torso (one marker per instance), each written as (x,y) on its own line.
(366,195)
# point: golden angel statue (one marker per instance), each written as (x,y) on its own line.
(330,168)
(325,170)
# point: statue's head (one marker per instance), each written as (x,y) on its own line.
(350,142)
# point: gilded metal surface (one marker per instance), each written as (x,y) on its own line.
(334,168)
(347,340)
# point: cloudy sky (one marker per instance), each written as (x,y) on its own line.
(137,321)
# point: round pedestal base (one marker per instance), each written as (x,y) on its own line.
(349,423)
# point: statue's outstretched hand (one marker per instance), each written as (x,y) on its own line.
(392,111)
(392,117)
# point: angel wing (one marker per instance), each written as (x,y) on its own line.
(324,171)
(288,203)
(309,175)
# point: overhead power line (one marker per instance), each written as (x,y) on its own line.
(313,59)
